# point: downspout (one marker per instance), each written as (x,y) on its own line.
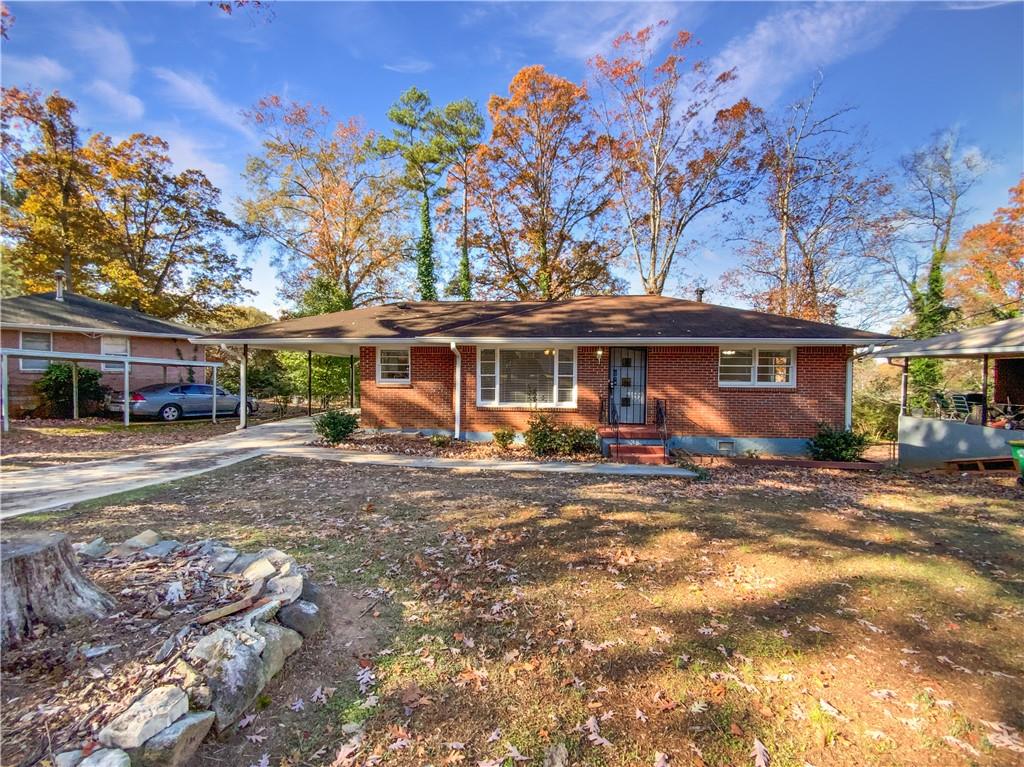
(458,390)
(848,414)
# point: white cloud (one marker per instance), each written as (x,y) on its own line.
(40,71)
(190,91)
(582,30)
(108,50)
(410,66)
(120,101)
(794,43)
(189,151)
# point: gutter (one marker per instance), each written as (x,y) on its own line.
(458,390)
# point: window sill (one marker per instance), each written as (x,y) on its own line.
(757,387)
(522,406)
(395,384)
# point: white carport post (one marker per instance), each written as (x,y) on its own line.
(74,391)
(127,396)
(243,405)
(5,394)
(214,408)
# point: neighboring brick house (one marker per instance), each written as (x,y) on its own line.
(726,379)
(75,323)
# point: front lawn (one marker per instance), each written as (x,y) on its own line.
(830,618)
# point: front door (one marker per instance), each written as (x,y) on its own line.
(628,384)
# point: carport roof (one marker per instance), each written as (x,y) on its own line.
(1005,337)
(651,319)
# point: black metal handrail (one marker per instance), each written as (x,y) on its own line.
(661,421)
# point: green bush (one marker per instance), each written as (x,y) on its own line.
(335,425)
(577,439)
(544,437)
(832,444)
(504,437)
(440,440)
(56,391)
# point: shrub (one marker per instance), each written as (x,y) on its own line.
(56,391)
(504,437)
(544,437)
(832,444)
(577,439)
(440,440)
(335,425)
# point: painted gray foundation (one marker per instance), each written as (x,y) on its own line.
(741,445)
(929,442)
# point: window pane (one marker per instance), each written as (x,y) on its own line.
(774,366)
(38,342)
(527,375)
(394,364)
(735,365)
(565,375)
(114,345)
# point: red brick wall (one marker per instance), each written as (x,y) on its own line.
(685,376)
(22,391)
(426,403)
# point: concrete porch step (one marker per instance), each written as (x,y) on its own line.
(647,454)
(629,431)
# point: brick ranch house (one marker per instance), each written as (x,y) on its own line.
(728,380)
(68,322)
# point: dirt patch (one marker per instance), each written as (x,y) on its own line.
(839,619)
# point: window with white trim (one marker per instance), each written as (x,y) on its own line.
(36,342)
(511,377)
(754,366)
(118,345)
(393,366)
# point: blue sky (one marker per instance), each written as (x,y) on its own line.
(185,70)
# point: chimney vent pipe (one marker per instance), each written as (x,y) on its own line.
(61,281)
(700,295)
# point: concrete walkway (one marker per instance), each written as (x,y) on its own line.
(34,490)
(31,490)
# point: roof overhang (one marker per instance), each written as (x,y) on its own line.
(184,334)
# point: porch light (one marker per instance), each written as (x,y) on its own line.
(728,352)
(599,353)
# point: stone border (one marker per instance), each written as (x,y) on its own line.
(220,673)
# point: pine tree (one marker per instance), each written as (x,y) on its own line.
(425,274)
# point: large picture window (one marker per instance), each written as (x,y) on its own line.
(393,366)
(757,367)
(544,377)
(36,342)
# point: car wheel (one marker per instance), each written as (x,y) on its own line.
(170,413)
(248,409)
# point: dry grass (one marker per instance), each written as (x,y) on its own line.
(838,619)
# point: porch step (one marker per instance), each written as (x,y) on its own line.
(651,454)
(629,432)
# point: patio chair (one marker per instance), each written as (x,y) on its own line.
(961,407)
(942,405)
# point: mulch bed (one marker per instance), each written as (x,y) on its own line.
(419,445)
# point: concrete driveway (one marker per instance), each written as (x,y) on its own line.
(31,490)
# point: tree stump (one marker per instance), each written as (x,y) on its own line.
(43,583)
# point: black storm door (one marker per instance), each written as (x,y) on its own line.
(628,384)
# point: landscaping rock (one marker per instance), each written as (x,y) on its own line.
(556,756)
(175,745)
(151,713)
(285,563)
(302,616)
(260,568)
(234,672)
(143,540)
(312,593)
(221,558)
(68,759)
(94,549)
(280,643)
(106,757)
(284,588)
(242,562)
(162,549)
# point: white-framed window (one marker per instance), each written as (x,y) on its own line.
(37,342)
(118,345)
(757,366)
(528,376)
(394,366)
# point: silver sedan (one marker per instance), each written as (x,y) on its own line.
(171,402)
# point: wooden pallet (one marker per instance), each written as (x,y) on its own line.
(999,463)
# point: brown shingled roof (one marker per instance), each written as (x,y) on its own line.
(590,317)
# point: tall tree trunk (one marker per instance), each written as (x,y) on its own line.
(465,276)
(425,254)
